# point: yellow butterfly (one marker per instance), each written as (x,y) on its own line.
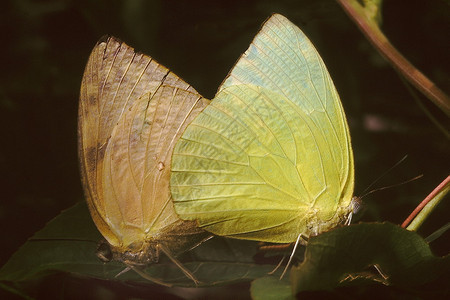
(270,158)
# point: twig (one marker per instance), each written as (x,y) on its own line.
(425,201)
(371,30)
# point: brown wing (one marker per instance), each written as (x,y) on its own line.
(132,111)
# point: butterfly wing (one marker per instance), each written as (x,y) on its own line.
(132,110)
(270,158)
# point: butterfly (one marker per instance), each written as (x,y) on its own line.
(132,110)
(270,158)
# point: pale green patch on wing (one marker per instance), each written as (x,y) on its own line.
(270,157)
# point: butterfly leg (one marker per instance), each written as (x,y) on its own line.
(300,239)
(179,265)
(148,277)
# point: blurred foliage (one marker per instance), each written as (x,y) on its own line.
(45,45)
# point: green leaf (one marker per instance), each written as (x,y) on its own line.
(367,253)
(271,288)
(68,244)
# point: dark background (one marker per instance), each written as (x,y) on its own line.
(45,45)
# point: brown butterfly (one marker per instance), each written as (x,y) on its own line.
(132,111)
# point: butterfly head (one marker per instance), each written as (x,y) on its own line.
(139,255)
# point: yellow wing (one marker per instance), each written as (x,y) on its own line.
(271,157)
(132,111)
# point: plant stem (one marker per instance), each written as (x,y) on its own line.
(427,206)
(372,32)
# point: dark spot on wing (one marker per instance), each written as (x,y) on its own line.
(91,158)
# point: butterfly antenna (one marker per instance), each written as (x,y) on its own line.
(382,175)
(291,257)
(393,185)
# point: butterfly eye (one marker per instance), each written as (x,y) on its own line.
(104,252)
(358,205)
